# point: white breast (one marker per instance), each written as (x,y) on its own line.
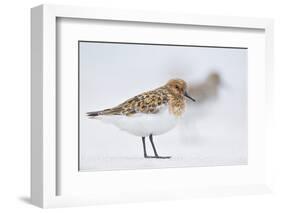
(143,125)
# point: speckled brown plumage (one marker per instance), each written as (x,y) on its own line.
(149,102)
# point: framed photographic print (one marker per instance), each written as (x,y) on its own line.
(192,113)
(149,106)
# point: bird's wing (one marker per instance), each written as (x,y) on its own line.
(148,102)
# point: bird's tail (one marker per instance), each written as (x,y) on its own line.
(93,114)
(112,111)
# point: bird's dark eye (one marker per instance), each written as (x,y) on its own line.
(177,87)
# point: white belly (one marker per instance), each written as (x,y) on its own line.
(142,124)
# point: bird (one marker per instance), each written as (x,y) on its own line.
(207,89)
(150,113)
(206,94)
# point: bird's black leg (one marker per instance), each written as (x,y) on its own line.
(144,147)
(154,149)
(153,146)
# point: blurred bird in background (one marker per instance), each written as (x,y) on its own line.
(206,90)
(206,94)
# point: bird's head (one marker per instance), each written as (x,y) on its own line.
(214,79)
(178,87)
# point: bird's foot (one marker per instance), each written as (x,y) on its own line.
(163,157)
(159,157)
(147,156)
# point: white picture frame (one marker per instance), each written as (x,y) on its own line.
(45,169)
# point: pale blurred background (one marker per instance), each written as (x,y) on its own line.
(213,130)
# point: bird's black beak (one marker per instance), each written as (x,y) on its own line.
(186,95)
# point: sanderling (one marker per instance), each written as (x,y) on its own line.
(206,94)
(206,90)
(148,114)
